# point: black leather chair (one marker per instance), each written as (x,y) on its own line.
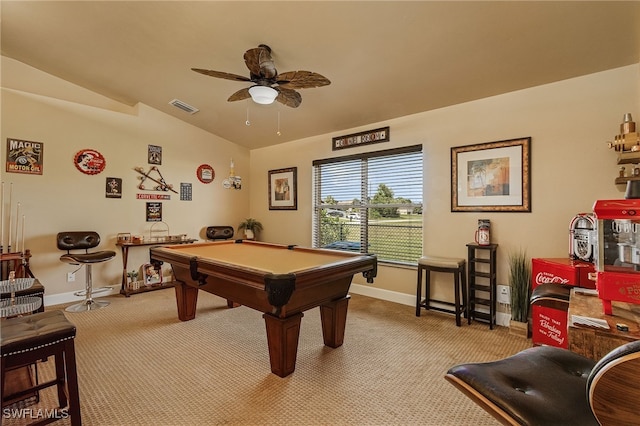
(546,385)
(83,241)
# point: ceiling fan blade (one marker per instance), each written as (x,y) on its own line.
(240,95)
(220,74)
(302,80)
(289,97)
(260,63)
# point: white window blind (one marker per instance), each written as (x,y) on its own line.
(371,203)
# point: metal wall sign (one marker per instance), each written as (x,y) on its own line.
(362,138)
(89,161)
(24,156)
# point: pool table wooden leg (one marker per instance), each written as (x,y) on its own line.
(334,320)
(282,338)
(187,300)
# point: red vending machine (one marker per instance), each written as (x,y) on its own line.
(550,325)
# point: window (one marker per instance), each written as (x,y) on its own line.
(371,203)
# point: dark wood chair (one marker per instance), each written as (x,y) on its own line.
(455,266)
(32,338)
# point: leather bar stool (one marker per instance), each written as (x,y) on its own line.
(84,240)
(455,266)
(219,232)
(32,338)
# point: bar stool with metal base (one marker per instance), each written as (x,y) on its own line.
(455,266)
(29,339)
(84,240)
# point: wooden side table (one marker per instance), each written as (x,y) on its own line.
(125,245)
(482,282)
(594,342)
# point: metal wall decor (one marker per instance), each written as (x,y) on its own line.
(205,173)
(186,191)
(113,188)
(153,175)
(154,154)
(89,161)
(24,156)
(233,181)
(362,138)
(154,212)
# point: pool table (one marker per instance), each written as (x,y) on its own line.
(280,281)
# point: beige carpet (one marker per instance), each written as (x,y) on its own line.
(139,365)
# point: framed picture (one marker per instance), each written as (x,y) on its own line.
(150,275)
(283,189)
(491,177)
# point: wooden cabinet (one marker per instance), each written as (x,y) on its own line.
(595,342)
(482,282)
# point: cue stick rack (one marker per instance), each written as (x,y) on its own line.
(16,260)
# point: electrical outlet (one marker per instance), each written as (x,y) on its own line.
(71,277)
(504,294)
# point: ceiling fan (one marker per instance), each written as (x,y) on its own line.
(268,85)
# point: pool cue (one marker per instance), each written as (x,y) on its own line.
(23,222)
(23,258)
(10,194)
(17,226)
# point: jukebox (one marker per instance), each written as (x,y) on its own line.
(617,251)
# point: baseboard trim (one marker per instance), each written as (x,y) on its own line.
(502,318)
(69,297)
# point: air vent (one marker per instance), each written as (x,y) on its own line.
(184,106)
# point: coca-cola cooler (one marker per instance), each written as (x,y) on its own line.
(550,325)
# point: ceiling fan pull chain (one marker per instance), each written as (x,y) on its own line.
(278,132)
(248,123)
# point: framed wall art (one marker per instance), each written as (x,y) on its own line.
(491,177)
(283,189)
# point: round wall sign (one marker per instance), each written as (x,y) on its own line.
(89,161)
(205,173)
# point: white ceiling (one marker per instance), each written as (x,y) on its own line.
(384,59)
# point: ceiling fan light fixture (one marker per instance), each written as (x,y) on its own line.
(264,95)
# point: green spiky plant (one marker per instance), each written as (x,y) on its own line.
(250,225)
(520,282)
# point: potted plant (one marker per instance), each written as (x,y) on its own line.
(133,275)
(520,282)
(250,227)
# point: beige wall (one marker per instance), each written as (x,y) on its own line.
(569,123)
(66,119)
(571,167)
